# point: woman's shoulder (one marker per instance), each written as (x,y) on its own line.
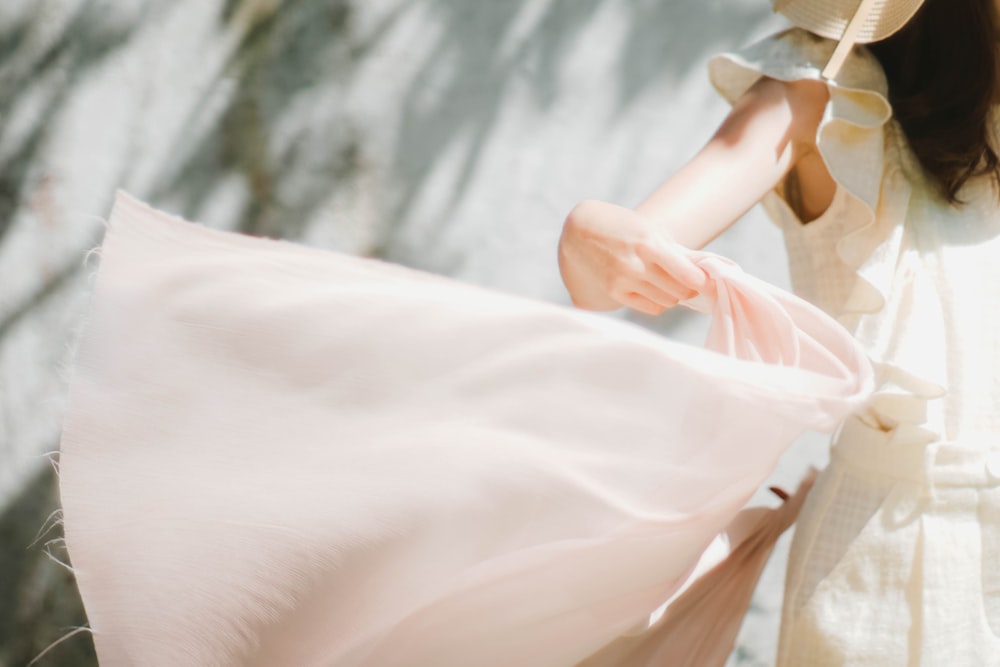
(797,54)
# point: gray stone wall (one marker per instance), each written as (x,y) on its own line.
(448,135)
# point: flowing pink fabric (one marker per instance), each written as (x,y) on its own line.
(277,455)
(699,627)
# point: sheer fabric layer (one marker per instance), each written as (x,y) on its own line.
(281,455)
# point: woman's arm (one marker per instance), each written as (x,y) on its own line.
(610,256)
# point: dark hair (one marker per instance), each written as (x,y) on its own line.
(942,72)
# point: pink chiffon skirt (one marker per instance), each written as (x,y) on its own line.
(278,455)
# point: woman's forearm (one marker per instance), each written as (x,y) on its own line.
(612,256)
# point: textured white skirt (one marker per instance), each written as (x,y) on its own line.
(896,559)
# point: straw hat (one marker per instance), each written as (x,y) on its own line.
(849,21)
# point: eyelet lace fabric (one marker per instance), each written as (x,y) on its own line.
(890,564)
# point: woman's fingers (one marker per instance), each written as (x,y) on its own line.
(666,283)
(656,295)
(660,277)
(638,302)
(671,259)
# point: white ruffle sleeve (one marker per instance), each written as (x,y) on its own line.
(856,261)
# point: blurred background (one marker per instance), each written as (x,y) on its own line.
(448,135)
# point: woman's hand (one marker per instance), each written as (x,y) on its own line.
(610,256)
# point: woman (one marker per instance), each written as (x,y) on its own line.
(259,466)
(880,166)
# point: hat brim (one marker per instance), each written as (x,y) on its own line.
(830,18)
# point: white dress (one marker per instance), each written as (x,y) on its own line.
(896,559)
